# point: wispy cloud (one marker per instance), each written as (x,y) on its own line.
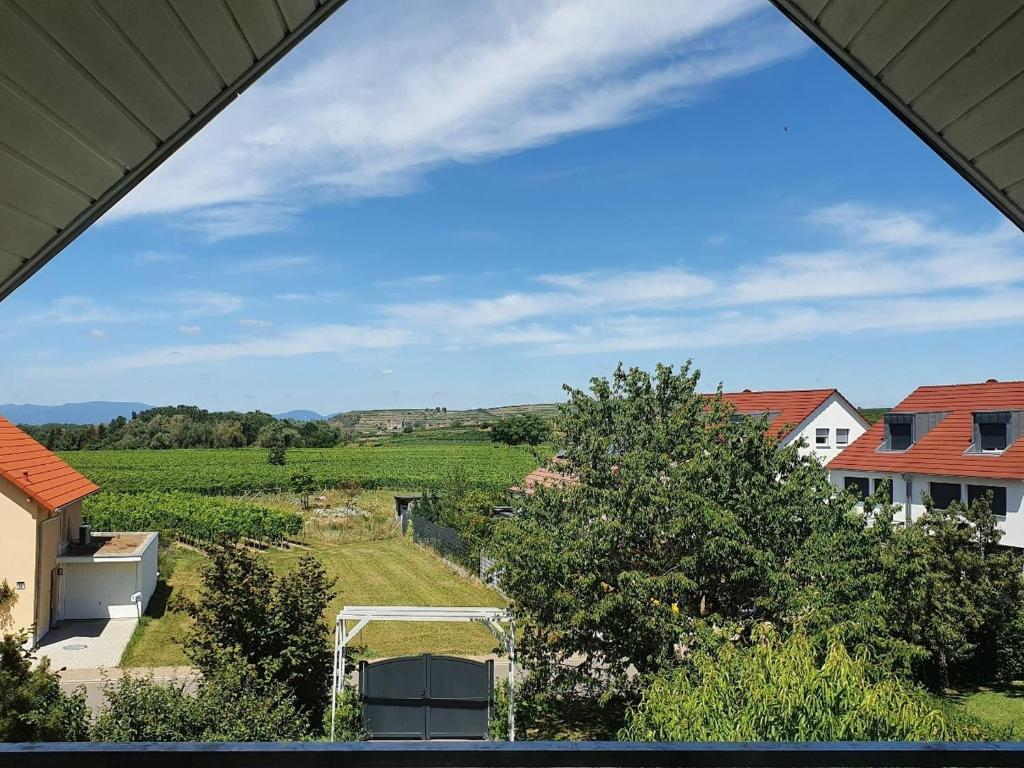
(269,264)
(251,322)
(158,257)
(75,310)
(878,270)
(190,330)
(96,333)
(205,303)
(322,339)
(513,77)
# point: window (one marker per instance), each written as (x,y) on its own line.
(842,437)
(859,486)
(992,436)
(821,437)
(883,481)
(901,436)
(975,492)
(944,494)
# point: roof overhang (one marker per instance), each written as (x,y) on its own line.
(953,72)
(95,96)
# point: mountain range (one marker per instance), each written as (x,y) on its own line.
(93,412)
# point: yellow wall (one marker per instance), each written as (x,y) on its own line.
(18,554)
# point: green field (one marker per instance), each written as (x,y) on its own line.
(391,571)
(235,471)
(1001,705)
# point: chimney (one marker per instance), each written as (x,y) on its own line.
(85,535)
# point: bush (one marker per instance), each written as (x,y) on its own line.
(32,705)
(231,703)
(779,690)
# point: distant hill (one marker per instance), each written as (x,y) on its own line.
(873,414)
(394,419)
(301,416)
(94,412)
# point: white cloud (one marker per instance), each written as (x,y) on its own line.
(270,264)
(96,333)
(75,310)
(385,372)
(190,330)
(159,257)
(335,339)
(250,322)
(206,303)
(881,271)
(387,92)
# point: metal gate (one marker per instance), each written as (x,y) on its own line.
(427,697)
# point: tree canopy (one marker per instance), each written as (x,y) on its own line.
(686,520)
(521,429)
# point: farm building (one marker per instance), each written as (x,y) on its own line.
(954,443)
(56,568)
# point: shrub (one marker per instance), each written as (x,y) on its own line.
(778,690)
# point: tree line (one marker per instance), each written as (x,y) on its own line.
(188,426)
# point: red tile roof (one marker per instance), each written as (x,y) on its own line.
(39,473)
(544,477)
(941,450)
(791,406)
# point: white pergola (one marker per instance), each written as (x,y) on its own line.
(498,620)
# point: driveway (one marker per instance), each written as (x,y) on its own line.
(95,680)
(90,644)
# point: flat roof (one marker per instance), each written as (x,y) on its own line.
(110,546)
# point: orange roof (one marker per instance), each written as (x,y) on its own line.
(38,472)
(788,407)
(942,450)
(543,477)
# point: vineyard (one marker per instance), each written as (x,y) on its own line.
(188,516)
(234,471)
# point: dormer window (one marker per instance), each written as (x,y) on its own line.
(899,431)
(991,431)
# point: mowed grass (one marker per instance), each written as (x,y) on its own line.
(1002,705)
(386,571)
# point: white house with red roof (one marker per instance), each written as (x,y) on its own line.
(823,418)
(56,569)
(954,442)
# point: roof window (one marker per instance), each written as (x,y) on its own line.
(991,431)
(899,431)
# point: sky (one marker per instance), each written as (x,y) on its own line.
(471,203)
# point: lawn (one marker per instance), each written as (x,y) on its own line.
(381,571)
(1001,705)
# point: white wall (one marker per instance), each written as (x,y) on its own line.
(1012,524)
(147,571)
(100,590)
(103,589)
(833,414)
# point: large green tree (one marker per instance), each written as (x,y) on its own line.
(682,513)
(521,429)
(274,624)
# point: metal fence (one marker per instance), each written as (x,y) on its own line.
(444,540)
(537,754)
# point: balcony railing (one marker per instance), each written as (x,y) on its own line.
(538,754)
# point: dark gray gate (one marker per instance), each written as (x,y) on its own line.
(427,697)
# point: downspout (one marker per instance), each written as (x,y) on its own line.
(909,479)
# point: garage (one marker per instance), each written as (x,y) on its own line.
(112,576)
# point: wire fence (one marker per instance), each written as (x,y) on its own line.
(444,540)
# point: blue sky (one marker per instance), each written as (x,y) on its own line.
(471,203)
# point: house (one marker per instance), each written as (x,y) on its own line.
(57,569)
(954,443)
(825,419)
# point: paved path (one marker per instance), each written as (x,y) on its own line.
(93,680)
(87,644)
